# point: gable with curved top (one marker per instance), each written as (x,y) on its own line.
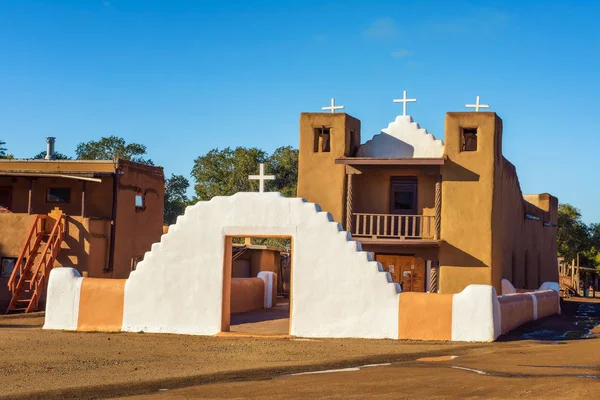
(403,138)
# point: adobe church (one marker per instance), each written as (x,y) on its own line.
(437,215)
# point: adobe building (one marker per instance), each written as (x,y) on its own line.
(437,216)
(99,217)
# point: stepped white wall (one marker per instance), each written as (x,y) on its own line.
(403,138)
(337,289)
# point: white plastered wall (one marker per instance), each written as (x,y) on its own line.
(476,314)
(403,138)
(62,300)
(337,289)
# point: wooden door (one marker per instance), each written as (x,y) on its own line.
(5,199)
(407,270)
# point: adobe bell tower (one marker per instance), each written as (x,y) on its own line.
(324,137)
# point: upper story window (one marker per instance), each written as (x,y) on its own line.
(58,195)
(140,202)
(322,140)
(403,195)
(469,139)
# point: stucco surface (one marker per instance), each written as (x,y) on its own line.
(62,301)
(403,138)
(338,291)
(476,314)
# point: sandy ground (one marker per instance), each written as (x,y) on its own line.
(50,364)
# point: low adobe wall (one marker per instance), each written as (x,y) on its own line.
(247,294)
(96,304)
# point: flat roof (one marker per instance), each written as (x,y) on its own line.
(70,167)
(389,161)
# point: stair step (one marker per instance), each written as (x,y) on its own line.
(24,301)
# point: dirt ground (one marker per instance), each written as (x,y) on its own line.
(51,364)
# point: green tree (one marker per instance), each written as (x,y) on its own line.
(225,172)
(3,153)
(573,235)
(111,147)
(57,156)
(283,163)
(176,199)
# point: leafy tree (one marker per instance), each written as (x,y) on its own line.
(225,172)
(176,199)
(283,163)
(111,147)
(57,156)
(3,153)
(573,234)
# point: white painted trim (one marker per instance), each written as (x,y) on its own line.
(535,306)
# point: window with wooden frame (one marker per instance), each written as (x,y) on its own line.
(58,195)
(403,195)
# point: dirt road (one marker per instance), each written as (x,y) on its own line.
(51,364)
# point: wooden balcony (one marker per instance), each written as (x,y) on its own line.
(393,226)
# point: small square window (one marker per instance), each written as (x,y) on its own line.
(139,201)
(469,139)
(58,195)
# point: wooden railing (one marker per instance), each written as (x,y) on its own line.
(25,261)
(45,263)
(393,226)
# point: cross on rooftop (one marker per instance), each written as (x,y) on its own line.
(261,178)
(477,106)
(404,100)
(332,107)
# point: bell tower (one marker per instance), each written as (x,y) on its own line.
(324,137)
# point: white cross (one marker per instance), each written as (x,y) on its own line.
(261,178)
(404,100)
(332,107)
(477,106)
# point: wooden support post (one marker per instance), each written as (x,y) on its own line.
(438,207)
(30,198)
(349,198)
(434,277)
(83,199)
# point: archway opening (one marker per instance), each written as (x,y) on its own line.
(257,285)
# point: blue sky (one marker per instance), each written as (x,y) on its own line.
(183,77)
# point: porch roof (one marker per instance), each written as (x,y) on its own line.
(82,176)
(390,161)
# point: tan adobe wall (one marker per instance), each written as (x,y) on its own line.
(320,180)
(527,251)
(467,197)
(137,229)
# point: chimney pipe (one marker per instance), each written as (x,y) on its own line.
(50,148)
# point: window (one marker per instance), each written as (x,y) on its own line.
(58,195)
(140,201)
(469,139)
(322,139)
(6,266)
(403,195)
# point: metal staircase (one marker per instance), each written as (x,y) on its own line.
(28,280)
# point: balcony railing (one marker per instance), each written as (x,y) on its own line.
(393,226)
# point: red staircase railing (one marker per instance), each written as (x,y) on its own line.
(31,245)
(31,277)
